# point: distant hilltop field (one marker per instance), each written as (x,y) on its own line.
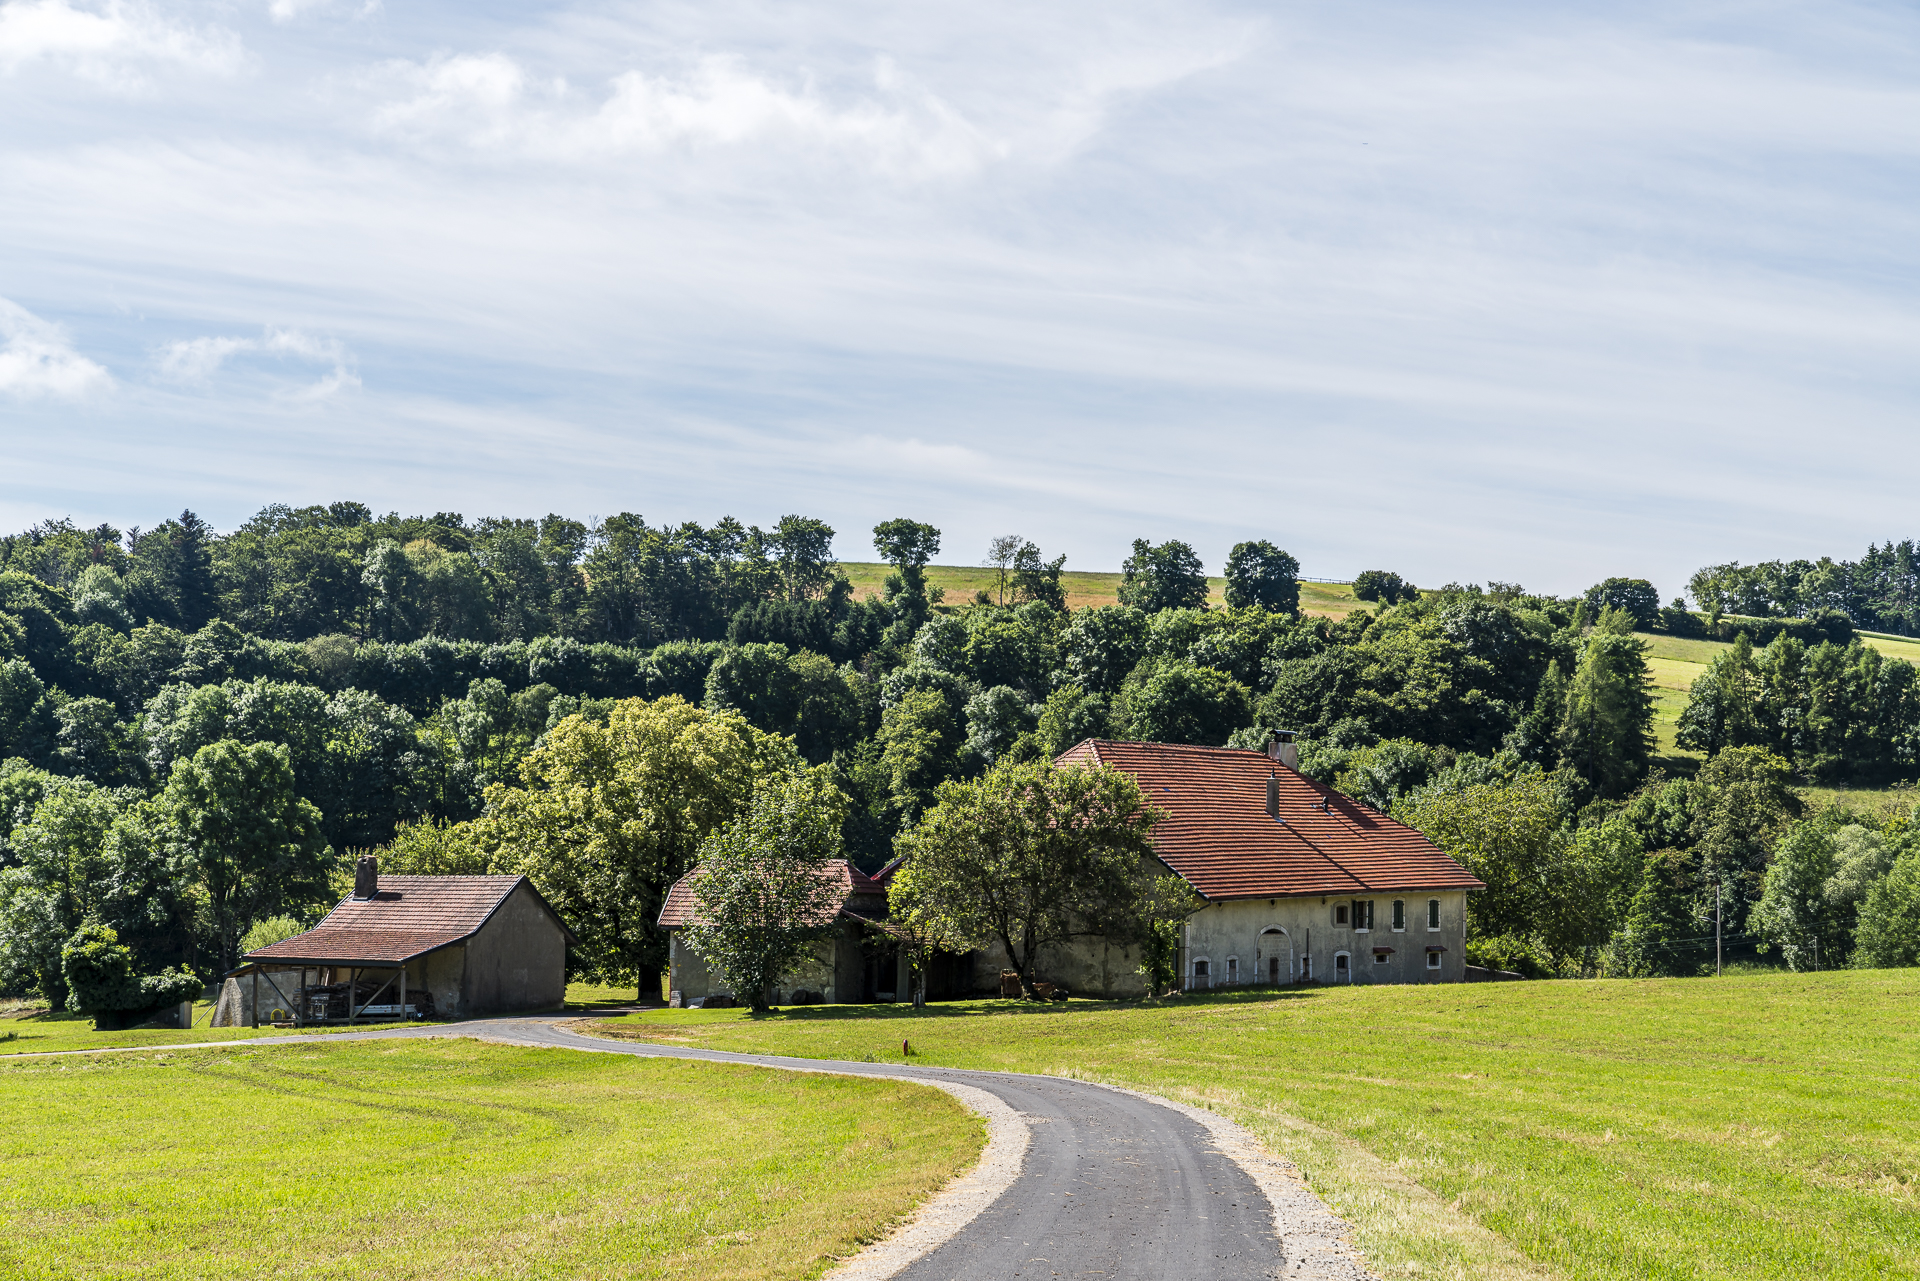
(960,582)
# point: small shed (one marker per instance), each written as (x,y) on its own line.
(403,947)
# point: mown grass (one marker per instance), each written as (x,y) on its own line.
(960,582)
(1753,1127)
(454,1159)
(33,1030)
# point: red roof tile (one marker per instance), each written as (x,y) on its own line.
(1219,837)
(679,907)
(408,915)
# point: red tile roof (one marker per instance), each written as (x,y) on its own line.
(407,916)
(1219,837)
(679,907)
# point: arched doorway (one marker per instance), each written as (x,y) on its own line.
(1275,957)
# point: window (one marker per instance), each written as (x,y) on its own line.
(1399,914)
(1340,966)
(1381,958)
(1363,914)
(1200,978)
(1340,914)
(1233,970)
(1433,913)
(1433,960)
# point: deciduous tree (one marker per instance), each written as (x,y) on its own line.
(764,890)
(1031,856)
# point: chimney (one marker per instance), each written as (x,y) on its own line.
(1273,795)
(1282,748)
(366,877)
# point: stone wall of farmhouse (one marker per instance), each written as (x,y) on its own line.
(1247,942)
(688,975)
(1085,967)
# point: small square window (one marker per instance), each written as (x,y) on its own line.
(1433,960)
(1381,958)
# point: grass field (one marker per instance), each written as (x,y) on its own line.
(1753,1127)
(28,1029)
(1332,600)
(454,1159)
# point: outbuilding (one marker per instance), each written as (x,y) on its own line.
(410,947)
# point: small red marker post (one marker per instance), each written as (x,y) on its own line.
(906,1051)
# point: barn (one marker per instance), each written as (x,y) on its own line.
(410,947)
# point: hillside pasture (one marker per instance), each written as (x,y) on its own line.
(1755,1127)
(454,1159)
(960,582)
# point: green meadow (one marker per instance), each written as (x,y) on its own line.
(454,1159)
(960,582)
(1756,1127)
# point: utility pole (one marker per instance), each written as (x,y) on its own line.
(1716,929)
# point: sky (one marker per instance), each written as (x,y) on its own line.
(1536,293)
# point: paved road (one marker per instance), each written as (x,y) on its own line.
(1112,1185)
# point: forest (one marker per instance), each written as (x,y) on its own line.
(200,730)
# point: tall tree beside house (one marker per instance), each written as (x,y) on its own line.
(608,816)
(1258,573)
(249,843)
(1031,856)
(764,887)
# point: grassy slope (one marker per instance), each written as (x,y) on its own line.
(1753,1127)
(1333,600)
(1675,663)
(453,1159)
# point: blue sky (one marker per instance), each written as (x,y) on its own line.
(1528,292)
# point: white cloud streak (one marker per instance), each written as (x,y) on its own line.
(197,360)
(37,360)
(488,103)
(112,43)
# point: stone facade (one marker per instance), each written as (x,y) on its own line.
(1276,941)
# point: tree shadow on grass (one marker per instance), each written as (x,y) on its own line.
(981,1007)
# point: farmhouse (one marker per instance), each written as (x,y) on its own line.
(858,963)
(407,947)
(1301,883)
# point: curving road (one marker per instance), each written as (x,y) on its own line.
(1113,1184)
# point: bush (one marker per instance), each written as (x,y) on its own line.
(1511,953)
(274,929)
(101,982)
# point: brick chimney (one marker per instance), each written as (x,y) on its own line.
(366,877)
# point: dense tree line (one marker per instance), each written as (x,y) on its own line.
(440,688)
(1878,592)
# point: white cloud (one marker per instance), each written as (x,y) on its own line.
(490,103)
(109,42)
(196,360)
(37,360)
